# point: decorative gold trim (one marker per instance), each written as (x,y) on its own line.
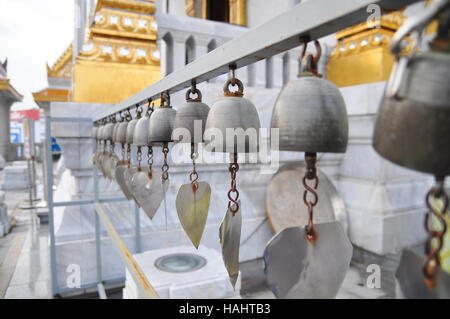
(130,5)
(52,95)
(238,12)
(117,50)
(190,8)
(391,21)
(62,68)
(6,86)
(124,24)
(362,53)
(204,9)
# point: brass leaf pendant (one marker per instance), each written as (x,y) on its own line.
(230,237)
(192,207)
(149,192)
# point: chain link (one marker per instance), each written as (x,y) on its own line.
(139,157)
(233,193)
(129,155)
(165,167)
(311,175)
(194,175)
(150,161)
(435,234)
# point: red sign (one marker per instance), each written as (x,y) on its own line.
(17,116)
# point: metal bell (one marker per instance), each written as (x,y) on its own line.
(141,130)
(234,112)
(310,114)
(187,115)
(130,131)
(121,134)
(108,131)
(161,123)
(413,124)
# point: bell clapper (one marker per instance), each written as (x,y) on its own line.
(233,204)
(435,232)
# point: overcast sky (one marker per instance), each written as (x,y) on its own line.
(33,32)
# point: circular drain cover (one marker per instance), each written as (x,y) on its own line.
(180,262)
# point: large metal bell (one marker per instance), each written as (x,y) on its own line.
(413,126)
(190,118)
(237,114)
(161,125)
(311,116)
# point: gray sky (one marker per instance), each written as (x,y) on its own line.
(33,32)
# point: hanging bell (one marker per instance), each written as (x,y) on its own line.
(412,128)
(310,112)
(311,116)
(193,199)
(188,115)
(106,159)
(232,112)
(161,123)
(146,184)
(234,122)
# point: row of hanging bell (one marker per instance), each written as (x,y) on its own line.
(413,130)
(309,261)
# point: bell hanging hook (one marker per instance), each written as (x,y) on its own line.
(309,63)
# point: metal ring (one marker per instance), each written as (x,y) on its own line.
(238,93)
(193,91)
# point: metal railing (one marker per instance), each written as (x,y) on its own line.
(309,20)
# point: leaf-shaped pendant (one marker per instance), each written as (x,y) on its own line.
(120,179)
(230,237)
(149,193)
(114,162)
(192,207)
(128,176)
(296,267)
(410,281)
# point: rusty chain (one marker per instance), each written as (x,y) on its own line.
(139,157)
(233,204)
(435,234)
(311,175)
(194,175)
(150,161)
(165,167)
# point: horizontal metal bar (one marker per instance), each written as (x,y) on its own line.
(71,119)
(313,19)
(89,201)
(125,255)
